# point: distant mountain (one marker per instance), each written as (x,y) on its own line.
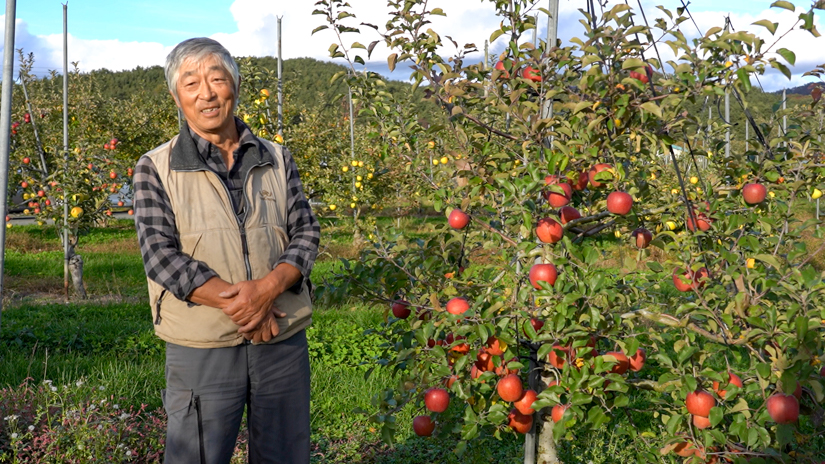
(802,89)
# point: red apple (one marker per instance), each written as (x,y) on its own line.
(41,193)
(695,279)
(24,184)
(525,403)
(542,273)
(556,199)
(701,422)
(548,230)
(699,403)
(27,117)
(423,426)
(458,219)
(732,379)
(619,203)
(621,365)
(637,361)
(504,72)
(484,361)
(643,237)
(494,346)
(558,412)
(130,212)
(436,399)
(568,213)
(557,360)
(783,409)
(581,183)
(509,387)
(401,309)
(521,423)
(531,74)
(113,175)
(120,203)
(702,220)
(754,193)
(27,160)
(457,305)
(595,170)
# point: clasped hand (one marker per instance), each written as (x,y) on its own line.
(253,310)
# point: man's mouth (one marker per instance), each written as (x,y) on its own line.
(209,110)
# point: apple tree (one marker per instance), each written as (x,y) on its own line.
(514,318)
(43,177)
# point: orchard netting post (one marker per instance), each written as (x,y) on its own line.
(5,124)
(280,81)
(539,443)
(65,149)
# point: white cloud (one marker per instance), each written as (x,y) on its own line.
(467,22)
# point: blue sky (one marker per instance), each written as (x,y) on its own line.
(122,34)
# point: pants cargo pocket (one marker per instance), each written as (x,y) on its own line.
(184,432)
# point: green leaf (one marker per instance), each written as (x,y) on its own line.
(744,79)
(438,11)
(716,415)
(768,259)
(767,25)
(673,424)
(789,56)
(652,107)
(632,63)
(319,28)
(580,106)
(783,4)
(782,68)
(391,61)
(496,34)
(801,327)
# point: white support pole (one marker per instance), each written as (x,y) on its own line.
(66,148)
(5,125)
(727,119)
(784,116)
(280,81)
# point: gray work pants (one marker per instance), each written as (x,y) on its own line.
(207,390)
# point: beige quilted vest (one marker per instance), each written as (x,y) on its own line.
(210,232)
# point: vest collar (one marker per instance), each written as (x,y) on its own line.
(185,156)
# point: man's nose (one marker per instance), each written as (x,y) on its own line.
(206,92)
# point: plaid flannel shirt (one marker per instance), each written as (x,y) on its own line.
(177,272)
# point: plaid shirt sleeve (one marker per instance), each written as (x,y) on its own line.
(303,229)
(163,261)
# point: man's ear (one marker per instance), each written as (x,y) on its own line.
(177,103)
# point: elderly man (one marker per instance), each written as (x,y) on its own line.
(228,242)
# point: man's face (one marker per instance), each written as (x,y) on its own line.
(206,96)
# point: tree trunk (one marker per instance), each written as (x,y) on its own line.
(76,270)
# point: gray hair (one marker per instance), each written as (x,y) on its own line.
(199,49)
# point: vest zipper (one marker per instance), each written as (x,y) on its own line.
(241,225)
(157,307)
(245,248)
